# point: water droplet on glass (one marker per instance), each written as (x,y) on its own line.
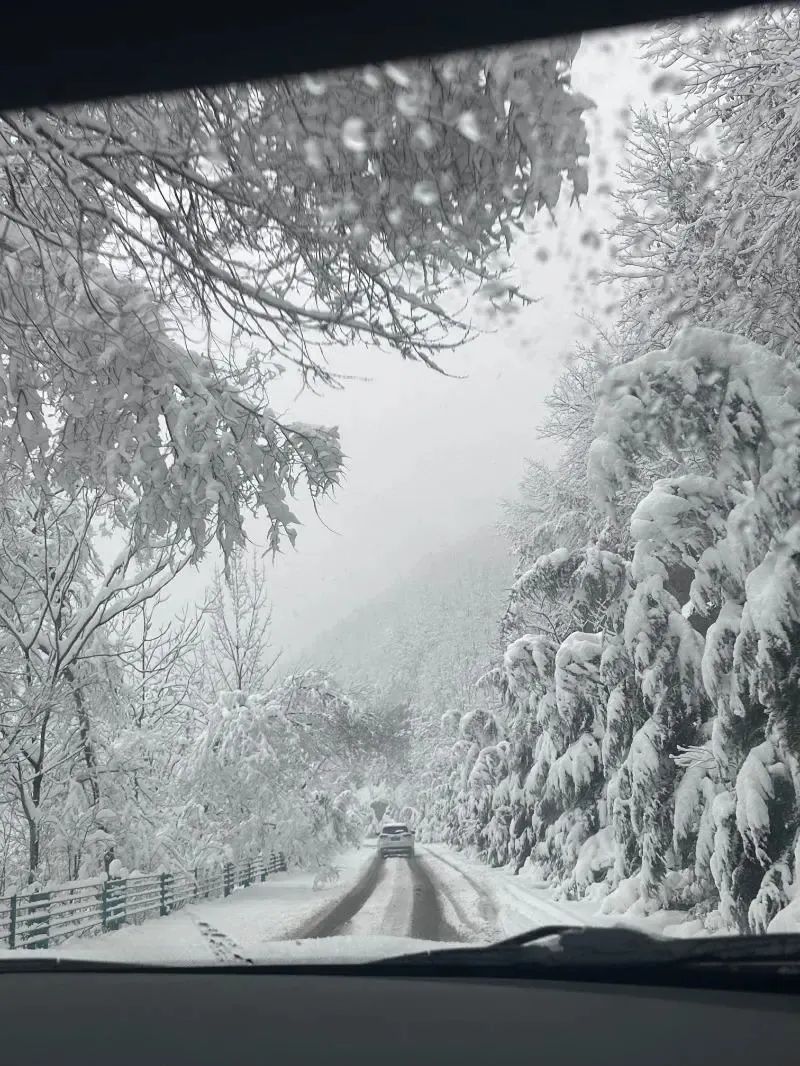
(407,105)
(425,192)
(372,77)
(315,86)
(397,74)
(424,137)
(468,126)
(360,233)
(354,134)
(313,153)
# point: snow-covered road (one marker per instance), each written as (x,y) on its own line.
(441,895)
(403,898)
(376,908)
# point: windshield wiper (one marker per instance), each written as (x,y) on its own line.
(567,944)
(624,944)
(622,954)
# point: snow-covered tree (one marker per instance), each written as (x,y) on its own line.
(707,211)
(69,623)
(283,218)
(651,707)
(678,463)
(276,770)
(237,648)
(735,530)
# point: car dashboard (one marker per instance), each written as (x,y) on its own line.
(292,1017)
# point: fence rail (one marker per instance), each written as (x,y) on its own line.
(41,919)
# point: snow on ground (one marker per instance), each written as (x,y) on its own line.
(251,918)
(262,923)
(345,948)
(787,920)
(467,905)
(492,903)
(515,903)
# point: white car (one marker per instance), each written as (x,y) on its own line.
(396,839)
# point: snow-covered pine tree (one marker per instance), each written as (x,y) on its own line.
(736,405)
(525,680)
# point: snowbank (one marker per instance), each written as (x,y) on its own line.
(521,902)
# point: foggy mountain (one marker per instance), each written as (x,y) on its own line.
(416,639)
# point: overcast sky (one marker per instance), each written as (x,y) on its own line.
(430,457)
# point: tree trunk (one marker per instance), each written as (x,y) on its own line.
(90,760)
(30,808)
(34,846)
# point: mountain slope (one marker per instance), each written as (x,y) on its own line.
(431,631)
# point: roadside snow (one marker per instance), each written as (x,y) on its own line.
(467,904)
(252,918)
(494,903)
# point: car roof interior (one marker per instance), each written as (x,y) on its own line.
(70,52)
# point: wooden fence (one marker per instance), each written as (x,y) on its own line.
(41,919)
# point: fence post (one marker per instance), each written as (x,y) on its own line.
(263,869)
(113,901)
(41,923)
(163,879)
(228,879)
(196,882)
(12,922)
(119,900)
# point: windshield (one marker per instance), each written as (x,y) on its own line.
(399,516)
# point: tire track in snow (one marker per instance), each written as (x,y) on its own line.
(402,899)
(341,913)
(427,918)
(529,909)
(388,911)
(487,911)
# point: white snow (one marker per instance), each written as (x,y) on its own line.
(498,903)
(252,918)
(753,794)
(264,923)
(388,909)
(516,903)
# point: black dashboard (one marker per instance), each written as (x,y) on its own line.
(231,1018)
